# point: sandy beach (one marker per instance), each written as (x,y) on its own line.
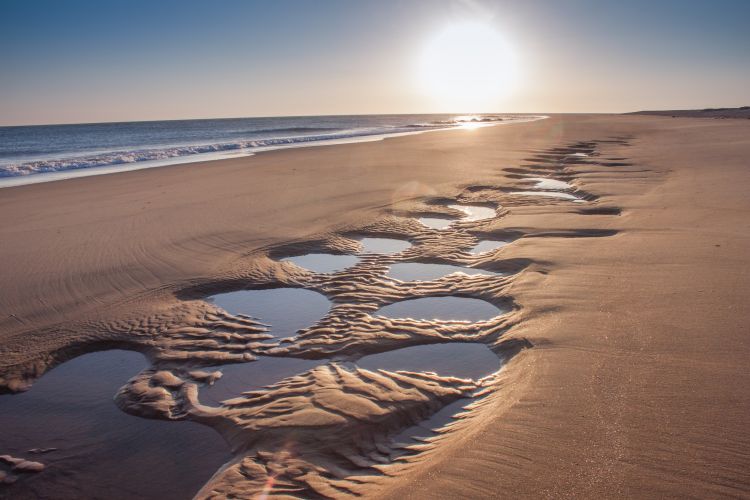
(623,333)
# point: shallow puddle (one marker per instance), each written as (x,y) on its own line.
(454,359)
(418,271)
(457,359)
(441,308)
(100,449)
(323,262)
(436,222)
(285,310)
(552,184)
(549,194)
(475,212)
(487,246)
(428,427)
(383,245)
(242,377)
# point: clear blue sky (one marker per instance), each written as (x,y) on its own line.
(78,61)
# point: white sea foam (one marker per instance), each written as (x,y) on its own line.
(122,157)
(324,130)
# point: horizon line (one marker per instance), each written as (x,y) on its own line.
(113,122)
(53,124)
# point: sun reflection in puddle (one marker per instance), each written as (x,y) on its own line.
(441,308)
(551,194)
(383,245)
(474,212)
(418,271)
(436,222)
(550,184)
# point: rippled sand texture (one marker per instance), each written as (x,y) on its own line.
(328,432)
(312,433)
(625,305)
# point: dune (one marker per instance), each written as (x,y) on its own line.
(622,307)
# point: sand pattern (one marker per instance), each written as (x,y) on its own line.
(329,432)
(311,434)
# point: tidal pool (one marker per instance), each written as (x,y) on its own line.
(487,246)
(436,222)
(454,359)
(242,377)
(551,184)
(383,245)
(100,449)
(551,194)
(323,262)
(284,310)
(457,359)
(475,212)
(429,427)
(418,271)
(441,308)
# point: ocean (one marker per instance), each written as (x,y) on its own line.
(47,152)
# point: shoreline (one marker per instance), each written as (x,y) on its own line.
(73,173)
(610,329)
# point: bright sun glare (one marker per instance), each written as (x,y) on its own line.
(467,67)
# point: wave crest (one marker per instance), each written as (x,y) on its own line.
(111,158)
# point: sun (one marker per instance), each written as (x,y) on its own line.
(467,67)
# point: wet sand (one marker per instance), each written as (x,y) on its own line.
(624,346)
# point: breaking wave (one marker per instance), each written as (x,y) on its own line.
(309,134)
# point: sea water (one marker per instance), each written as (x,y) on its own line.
(62,151)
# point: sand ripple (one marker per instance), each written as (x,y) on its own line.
(329,432)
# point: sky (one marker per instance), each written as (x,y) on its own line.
(90,61)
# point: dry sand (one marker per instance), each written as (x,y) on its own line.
(626,341)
